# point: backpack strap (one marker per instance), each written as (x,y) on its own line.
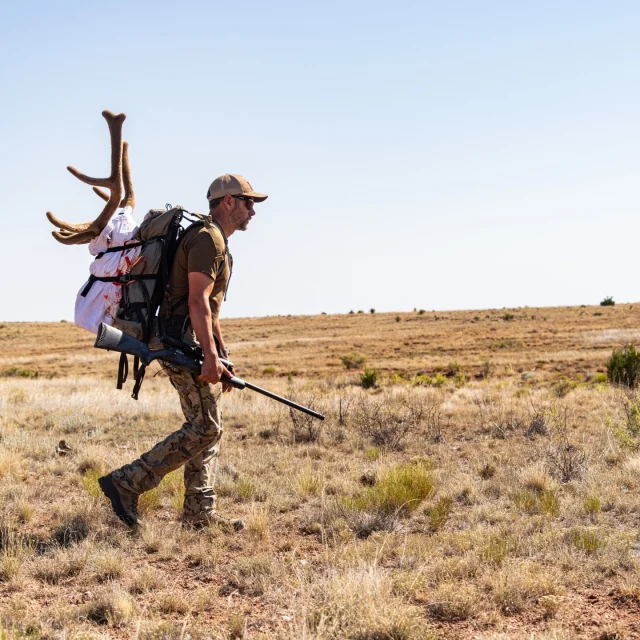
(125,278)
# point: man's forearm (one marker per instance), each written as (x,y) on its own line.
(200,314)
(217,334)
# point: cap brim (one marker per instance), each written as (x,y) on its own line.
(258,197)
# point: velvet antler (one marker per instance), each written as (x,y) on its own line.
(85,232)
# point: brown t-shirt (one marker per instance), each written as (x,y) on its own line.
(201,249)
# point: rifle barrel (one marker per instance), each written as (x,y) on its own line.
(290,403)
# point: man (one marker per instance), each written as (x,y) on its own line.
(197,285)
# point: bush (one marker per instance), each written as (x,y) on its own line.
(305,428)
(399,492)
(369,378)
(352,360)
(384,424)
(508,317)
(607,302)
(623,367)
(372,310)
(18,372)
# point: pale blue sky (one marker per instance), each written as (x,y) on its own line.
(439,155)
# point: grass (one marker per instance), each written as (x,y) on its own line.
(400,491)
(476,524)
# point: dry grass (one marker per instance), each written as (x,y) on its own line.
(486,488)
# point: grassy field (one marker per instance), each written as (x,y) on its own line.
(485,485)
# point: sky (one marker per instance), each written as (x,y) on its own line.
(435,155)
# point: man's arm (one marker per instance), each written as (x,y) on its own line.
(200,288)
(217,334)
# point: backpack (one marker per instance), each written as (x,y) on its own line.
(144,285)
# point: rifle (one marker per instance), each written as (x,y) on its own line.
(113,339)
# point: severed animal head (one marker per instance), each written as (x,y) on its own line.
(118,183)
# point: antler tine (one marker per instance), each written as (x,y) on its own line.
(101,193)
(115,130)
(129,199)
(74,228)
(65,237)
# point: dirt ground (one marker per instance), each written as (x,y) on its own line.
(476,477)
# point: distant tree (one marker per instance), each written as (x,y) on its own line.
(608,302)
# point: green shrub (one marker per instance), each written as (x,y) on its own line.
(421,312)
(352,360)
(400,491)
(369,378)
(592,504)
(507,317)
(607,302)
(439,380)
(372,310)
(587,540)
(453,369)
(439,513)
(269,370)
(17,372)
(422,380)
(397,318)
(623,367)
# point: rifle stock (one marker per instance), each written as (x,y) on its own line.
(112,339)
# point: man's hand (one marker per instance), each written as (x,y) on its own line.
(213,370)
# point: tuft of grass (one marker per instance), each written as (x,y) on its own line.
(439,512)
(372,453)
(588,540)
(258,524)
(352,360)
(109,565)
(400,491)
(369,379)
(308,483)
(249,491)
(592,504)
(270,370)
(113,606)
(71,530)
(90,483)
(145,580)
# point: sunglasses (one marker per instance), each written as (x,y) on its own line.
(250,202)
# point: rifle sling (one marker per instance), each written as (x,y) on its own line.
(123,370)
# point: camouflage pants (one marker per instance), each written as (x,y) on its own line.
(195,445)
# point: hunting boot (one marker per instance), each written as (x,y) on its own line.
(123,502)
(216,519)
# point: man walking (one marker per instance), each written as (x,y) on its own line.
(197,285)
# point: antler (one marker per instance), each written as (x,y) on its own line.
(129,199)
(85,232)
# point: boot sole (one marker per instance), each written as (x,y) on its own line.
(109,490)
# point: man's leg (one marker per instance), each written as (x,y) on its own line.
(202,430)
(199,482)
